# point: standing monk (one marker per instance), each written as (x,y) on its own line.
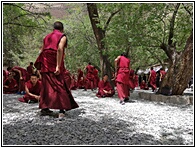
(54,93)
(131,79)
(96,77)
(80,80)
(152,79)
(122,65)
(162,74)
(89,77)
(30,70)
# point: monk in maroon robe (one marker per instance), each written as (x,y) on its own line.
(143,85)
(5,74)
(67,77)
(131,79)
(122,64)
(152,79)
(80,80)
(105,88)
(96,77)
(10,85)
(32,88)
(136,80)
(30,71)
(20,75)
(89,76)
(81,83)
(73,83)
(162,74)
(54,93)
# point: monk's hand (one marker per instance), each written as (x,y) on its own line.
(57,72)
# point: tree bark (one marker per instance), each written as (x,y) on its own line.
(180,70)
(180,63)
(100,35)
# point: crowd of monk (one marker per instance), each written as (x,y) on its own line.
(28,81)
(48,82)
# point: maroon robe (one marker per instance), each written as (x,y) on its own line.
(96,77)
(143,86)
(81,80)
(105,86)
(5,74)
(153,79)
(89,77)
(21,82)
(122,78)
(81,83)
(136,80)
(29,72)
(73,84)
(131,79)
(67,78)
(163,73)
(54,93)
(33,90)
(13,86)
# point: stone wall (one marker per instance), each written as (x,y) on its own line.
(181,100)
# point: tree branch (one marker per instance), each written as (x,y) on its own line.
(22,25)
(187,10)
(171,31)
(109,19)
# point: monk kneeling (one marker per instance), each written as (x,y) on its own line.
(143,85)
(105,89)
(32,88)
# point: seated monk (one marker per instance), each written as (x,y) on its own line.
(10,85)
(67,78)
(73,85)
(143,85)
(105,89)
(32,88)
(81,83)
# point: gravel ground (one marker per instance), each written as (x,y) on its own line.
(98,121)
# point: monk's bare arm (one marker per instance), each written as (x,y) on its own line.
(60,53)
(115,62)
(19,73)
(30,94)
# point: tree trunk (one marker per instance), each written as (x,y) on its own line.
(180,69)
(99,35)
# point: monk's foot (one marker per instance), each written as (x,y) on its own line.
(46,112)
(122,102)
(126,99)
(85,89)
(103,96)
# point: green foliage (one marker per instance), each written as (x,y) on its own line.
(21,28)
(138,28)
